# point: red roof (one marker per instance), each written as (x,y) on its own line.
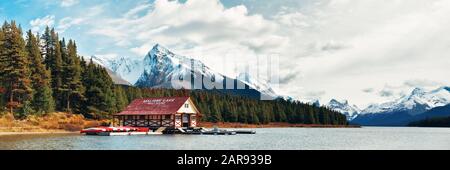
(154,106)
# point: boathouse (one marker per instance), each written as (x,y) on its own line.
(167,112)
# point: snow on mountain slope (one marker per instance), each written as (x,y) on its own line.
(117,79)
(256,84)
(160,66)
(128,69)
(100,61)
(415,103)
(351,111)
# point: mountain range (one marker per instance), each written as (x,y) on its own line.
(398,112)
(161,68)
(350,111)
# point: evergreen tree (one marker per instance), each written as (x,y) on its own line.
(121,97)
(48,48)
(72,87)
(53,60)
(15,74)
(101,95)
(42,101)
(2,84)
(108,90)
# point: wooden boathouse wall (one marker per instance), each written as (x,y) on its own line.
(170,112)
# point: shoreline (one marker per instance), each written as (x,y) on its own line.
(202,124)
(271,125)
(36,133)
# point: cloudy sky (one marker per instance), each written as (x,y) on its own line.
(365,51)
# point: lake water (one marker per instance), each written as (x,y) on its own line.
(371,138)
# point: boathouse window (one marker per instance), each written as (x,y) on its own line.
(167,117)
(141,117)
(186,105)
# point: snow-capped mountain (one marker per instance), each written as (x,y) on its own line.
(162,68)
(117,79)
(126,68)
(350,111)
(100,61)
(257,84)
(405,109)
(415,103)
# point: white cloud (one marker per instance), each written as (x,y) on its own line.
(68,22)
(68,3)
(87,17)
(422,83)
(132,13)
(373,43)
(205,23)
(40,23)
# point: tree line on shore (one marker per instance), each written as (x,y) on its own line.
(432,122)
(216,106)
(42,74)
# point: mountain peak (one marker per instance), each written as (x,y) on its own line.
(418,91)
(343,107)
(344,102)
(160,66)
(158,49)
(402,110)
(417,102)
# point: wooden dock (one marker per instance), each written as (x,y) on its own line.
(215,131)
(126,133)
(164,130)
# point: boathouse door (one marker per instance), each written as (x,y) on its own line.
(186,120)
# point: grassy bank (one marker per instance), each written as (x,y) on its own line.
(54,122)
(271,125)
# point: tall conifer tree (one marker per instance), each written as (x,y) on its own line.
(72,86)
(53,61)
(2,84)
(15,74)
(40,77)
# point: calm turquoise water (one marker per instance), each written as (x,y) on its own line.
(265,139)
